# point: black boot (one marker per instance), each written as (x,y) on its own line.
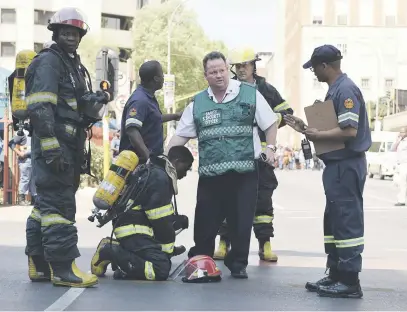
(103,257)
(347,287)
(66,273)
(332,278)
(38,269)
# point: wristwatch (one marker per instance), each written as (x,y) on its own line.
(272,147)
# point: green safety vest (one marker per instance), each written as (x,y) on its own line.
(225,132)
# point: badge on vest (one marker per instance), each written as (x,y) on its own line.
(210,118)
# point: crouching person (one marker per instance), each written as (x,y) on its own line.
(145,235)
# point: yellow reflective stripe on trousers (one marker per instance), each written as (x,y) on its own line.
(346,243)
(329,239)
(53,219)
(41,97)
(160,212)
(136,208)
(35,214)
(149,271)
(72,103)
(281,107)
(262,219)
(168,248)
(49,143)
(132,229)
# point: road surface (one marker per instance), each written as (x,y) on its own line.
(299,204)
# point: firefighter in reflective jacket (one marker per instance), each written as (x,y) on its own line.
(61,105)
(245,63)
(145,235)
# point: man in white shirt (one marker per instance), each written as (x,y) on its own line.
(225,118)
(400,147)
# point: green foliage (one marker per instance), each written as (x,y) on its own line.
(189,44)
(96,167)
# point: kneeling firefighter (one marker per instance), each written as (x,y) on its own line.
(61,107)
(145,232)
(245,63)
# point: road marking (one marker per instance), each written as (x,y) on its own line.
(278,207)
(304,217)
(380,198)
(66,299)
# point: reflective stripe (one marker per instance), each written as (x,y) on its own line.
(133,229)
(353,242)
(168,248)
(53,219)
(280,117)
(344,243)
(348,116)
(49,143)
(149,271)
(137,208)
(281,107)
(72,103)
(133,122)
(329,240)
(70,129)
(160,212)
(35,214)
(40,97)
(262,219)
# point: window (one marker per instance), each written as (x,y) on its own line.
(317,11)
(343,47)
(365,83)
(42,17)
(8,49)
(366,12)
(142,3)
(390,12)
(8,16)
(342,11)
(116,22)
(38,47)
(388,83)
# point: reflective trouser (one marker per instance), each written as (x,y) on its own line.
(263,219)
(50,228)
(141,258)
(25,177)
(344,182)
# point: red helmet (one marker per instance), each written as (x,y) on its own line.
(69,17)
(201,269)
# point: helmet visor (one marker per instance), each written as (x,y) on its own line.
(76,23)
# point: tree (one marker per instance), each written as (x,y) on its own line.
(189,44)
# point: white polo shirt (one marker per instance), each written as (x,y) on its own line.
(264,115)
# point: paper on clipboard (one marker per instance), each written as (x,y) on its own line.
(322,116)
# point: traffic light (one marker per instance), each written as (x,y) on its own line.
(107,70)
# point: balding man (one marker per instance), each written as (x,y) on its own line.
(141,127)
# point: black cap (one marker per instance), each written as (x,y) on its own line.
(323,54)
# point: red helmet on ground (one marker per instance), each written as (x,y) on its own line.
(201,269)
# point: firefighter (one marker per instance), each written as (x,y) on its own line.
(344,176)
(61,105)
(229,155)
(245,65)
(145,235)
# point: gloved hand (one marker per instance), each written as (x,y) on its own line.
(178,250)
(56,163)
(180,222)
(97,97)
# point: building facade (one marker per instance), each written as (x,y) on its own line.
(368,32)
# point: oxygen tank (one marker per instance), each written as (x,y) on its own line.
(18,103)
(115,180)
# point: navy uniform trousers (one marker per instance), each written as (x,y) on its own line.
(344,181)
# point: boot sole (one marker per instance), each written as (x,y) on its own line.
(75,285)
(330,295)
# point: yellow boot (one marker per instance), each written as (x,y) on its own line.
(38,269)
(98,265)
(222,251)
(68,274)
(266,254)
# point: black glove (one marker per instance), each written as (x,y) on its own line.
(180,222)
(56,163)
(178,250)
(97,97)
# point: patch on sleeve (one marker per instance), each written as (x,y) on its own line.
(349,103)
(133,112)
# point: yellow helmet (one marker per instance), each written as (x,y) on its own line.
(244,56)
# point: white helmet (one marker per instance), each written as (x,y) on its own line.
(69,16)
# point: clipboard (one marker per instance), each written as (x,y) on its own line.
(322,116)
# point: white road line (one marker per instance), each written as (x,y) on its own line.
(278,207)
(380,198)
(66,299)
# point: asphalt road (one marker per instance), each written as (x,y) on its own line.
(299,203)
